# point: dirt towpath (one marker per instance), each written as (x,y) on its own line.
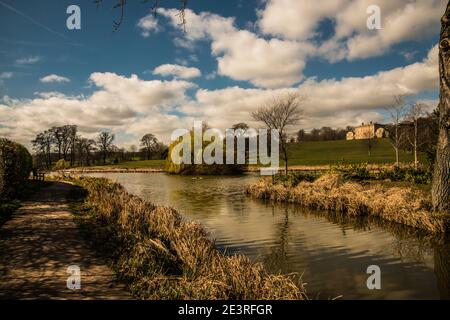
(38,245)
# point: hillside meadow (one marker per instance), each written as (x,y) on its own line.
(312,153)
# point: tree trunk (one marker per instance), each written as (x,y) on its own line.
(397,161)
(440,191)
(284,149)
(286,166)
(415,142)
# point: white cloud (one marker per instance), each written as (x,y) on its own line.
(148,25)
(6,75)
(293,19)
(140,95)
(243,55)
(131,106)
(402,20)
(177,71)
(54,78)
(118,103)
(28,60)
(331,102)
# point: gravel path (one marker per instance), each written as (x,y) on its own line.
(38,245)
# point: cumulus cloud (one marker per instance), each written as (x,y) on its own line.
(54,78)
(294,19)
(148,25)
(132,107)
(331,102)
(402,20)
(243,55)
(177,71)
(118,103)
(28,60)
(6,75)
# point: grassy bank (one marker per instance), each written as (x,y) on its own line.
(159,255)
(405,205)
(353,151)
(302,156)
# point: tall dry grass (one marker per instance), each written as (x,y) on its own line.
(162,256)
(331,192)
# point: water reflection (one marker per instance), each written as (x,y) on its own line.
(331,251)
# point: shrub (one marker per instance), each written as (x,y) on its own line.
(418,176)
(15,168)
(360,172)
(61,164)
(200,169)
(294,178)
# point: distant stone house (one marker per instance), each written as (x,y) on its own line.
(367,131)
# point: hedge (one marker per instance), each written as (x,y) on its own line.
(15,168)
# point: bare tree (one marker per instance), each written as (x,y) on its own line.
(120,5)
(440,190)
(84,147)
(149,142)
(72,136)
(369,140)
(280,113)
(57,139)
(133,150)
(415,113)
(396,135)
(105,143)
(43,145)
(89,146)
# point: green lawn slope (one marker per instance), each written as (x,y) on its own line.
(353,151)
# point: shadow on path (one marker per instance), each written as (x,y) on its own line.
(37,246)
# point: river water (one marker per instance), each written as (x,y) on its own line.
(330,252)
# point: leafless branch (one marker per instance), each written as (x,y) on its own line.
(120,4)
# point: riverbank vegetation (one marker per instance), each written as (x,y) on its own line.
(336,192)
(190,167)
(159,255)
(15,168)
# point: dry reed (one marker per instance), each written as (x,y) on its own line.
(403,205)
(162,256)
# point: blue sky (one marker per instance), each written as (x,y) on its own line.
(96,48)
(244,51)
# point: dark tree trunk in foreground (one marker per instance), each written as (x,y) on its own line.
(441,176)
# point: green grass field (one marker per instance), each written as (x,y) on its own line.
(353,151)
(138,164)
(314,153)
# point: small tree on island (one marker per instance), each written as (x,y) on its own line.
(280,113)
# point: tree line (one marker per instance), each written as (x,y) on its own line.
(65,143)
(322,134)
